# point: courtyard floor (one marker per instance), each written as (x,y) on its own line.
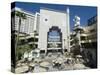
(56,62)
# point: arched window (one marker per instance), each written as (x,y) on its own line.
(54,34)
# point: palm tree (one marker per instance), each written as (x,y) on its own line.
(21,16)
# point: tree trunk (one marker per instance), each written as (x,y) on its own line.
(17,38)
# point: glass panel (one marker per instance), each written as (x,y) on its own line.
(54,36)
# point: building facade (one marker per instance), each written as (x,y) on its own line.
(53,30)
(50,26)
(28,25)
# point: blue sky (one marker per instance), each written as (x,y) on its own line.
(84,12)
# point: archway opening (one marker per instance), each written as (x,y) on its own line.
(54,40)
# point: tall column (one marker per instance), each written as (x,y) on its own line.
(68,29)
(35,21)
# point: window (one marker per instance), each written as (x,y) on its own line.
(36,39)
(83,38)
(54,36)
(46,19)
(92,30)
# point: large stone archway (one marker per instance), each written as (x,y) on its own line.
(54,40)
